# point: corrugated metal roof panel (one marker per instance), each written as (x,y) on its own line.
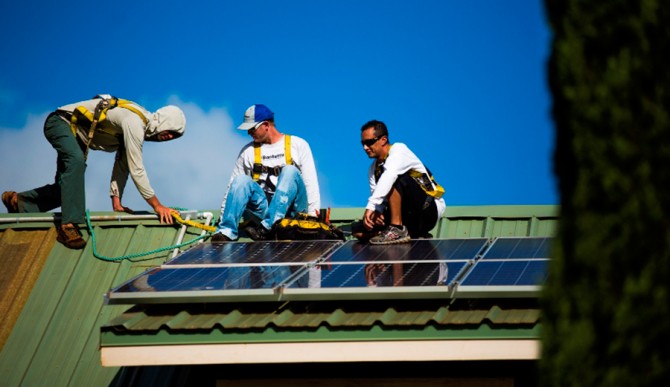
(297,315)
(23,254)
(489,222)
(57,336)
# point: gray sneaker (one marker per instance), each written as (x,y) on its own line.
(391,235)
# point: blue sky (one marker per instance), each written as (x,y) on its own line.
(462,83)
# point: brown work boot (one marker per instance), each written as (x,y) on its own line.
(11,201)
(70,236)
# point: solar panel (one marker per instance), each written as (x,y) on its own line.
(225,266)
(417,250)
(511,262)
(507,273)
(295,252)
(530,247)
(422,262)
(389,274)
(186,279)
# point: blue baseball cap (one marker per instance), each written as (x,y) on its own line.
(254,115)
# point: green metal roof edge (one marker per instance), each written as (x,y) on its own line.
(338,214)
(112,338)
(489,211)
(504,211)
(46,219)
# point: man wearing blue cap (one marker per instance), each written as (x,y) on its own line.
(274,176)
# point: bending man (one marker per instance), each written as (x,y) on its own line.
(103,123)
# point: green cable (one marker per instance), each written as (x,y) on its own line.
(137,255)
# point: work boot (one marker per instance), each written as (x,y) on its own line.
(391,235)
(11,201)
(220,238)
(70,236)
(257,233)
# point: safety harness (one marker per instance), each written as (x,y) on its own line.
(84,118)
(425,180)
(259,168)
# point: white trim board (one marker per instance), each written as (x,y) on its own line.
(256,353)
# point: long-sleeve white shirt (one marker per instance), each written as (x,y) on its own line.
(400,159)
(123,132)
(273,155)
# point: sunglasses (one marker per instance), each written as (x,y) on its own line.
(251,130)
(370,141)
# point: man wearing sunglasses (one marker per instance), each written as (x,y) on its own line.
(274,176)
(405,201)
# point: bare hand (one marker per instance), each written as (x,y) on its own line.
(164,214)
(372,219)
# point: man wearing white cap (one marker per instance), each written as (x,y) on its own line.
(103,123)
(274,176)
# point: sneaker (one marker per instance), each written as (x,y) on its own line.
(220,238)
(257,233)
(391,235)
(70,236)
(10,200)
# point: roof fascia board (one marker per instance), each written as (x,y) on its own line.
(432,350)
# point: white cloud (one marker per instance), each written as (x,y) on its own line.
(28,161)
(190,172)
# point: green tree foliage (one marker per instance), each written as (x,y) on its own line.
(606,308)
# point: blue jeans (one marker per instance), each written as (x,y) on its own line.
(246,198)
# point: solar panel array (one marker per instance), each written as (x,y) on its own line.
(272,270)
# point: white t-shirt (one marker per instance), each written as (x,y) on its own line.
(399,160)
(273,155)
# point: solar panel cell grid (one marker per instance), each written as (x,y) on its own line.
(417,250)
(389,274)
(519,248)
(254,253)
(507,273)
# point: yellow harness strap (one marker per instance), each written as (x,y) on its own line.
(126,104)
(424,181)
(85,118)
(258,166)
(287,149)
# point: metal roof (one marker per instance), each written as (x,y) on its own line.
(52,297)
